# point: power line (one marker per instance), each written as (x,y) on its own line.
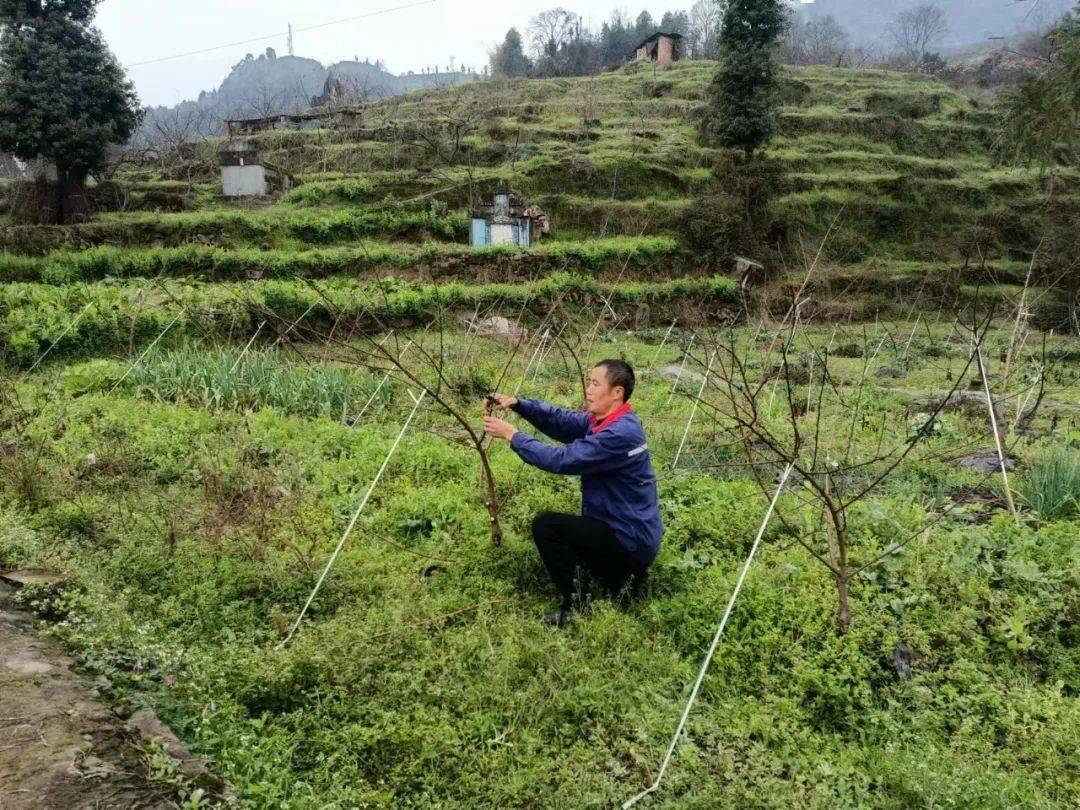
(283,33)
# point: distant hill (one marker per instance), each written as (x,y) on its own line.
(970,21)
(272,85)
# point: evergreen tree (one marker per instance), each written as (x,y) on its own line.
(675,22)
(742,96)
(509,58)
(63,95)
(644,26)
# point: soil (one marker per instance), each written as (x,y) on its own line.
(61,745)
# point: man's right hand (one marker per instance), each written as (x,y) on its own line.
(499,402)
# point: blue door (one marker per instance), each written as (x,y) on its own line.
(479,232)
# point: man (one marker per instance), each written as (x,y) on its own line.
(617,535)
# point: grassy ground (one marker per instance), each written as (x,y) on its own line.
(193,506)
(191,486)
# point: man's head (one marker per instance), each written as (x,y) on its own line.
(611,383)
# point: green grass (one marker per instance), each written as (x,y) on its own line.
(191,528)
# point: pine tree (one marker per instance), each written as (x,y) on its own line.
(742,96)
(63,96)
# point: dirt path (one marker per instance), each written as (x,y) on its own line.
(60,744)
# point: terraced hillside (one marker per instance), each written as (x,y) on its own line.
(898,166)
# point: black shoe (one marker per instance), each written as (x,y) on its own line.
(557,618)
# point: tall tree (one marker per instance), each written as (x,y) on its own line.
(675,22)
(914,32)
(508,59)
(644,26)
(742,96)
(63,96)
(550,30)
(816,41)
(704,22)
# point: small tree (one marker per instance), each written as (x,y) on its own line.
(63,96)
(508,59)
(742,96)
(704,20)
(915,31)
(818,41)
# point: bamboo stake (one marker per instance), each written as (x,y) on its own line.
(146,351)
(715,643)
(682,367)
(382,382)
(663,343)
(248,346)
(60,337)
(355,516)
(997,435)
(693,411)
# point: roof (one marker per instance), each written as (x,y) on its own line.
(657,35)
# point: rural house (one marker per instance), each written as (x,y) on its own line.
(506,220)
(242,172)
(660,47)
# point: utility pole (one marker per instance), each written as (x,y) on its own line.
(290,40)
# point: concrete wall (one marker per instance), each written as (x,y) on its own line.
(243,181)
(503,234)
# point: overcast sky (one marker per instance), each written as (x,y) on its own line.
(409,39)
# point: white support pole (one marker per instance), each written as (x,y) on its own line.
(248,346)
(59,337)
(997,435)
(146,351)
(911,337)
(715,643)
(682,367)
(382,382)
(293,325)
(693,411)
(355,516)
(536,351)
(547,351)
(663,343)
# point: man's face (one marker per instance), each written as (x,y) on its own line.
(601,397)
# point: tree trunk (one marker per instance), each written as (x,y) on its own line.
(843,615)
(69,203)
(490,501)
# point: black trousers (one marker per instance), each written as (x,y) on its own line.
(569,544)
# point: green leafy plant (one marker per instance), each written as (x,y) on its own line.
(1051,487)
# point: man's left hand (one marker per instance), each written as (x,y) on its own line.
(499,428)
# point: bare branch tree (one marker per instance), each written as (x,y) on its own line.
(914,32)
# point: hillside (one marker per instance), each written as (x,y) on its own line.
(896,168)
(270,85)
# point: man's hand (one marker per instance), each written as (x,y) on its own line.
(499,428)
(499,402)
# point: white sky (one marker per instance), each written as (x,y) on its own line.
(410,39)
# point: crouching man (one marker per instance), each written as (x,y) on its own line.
(617,535)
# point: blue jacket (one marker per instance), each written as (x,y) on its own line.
(618,484)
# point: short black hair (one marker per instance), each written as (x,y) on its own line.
(619,373)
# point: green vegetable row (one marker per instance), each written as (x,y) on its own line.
(104,319)
(62,267)
(233,226)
